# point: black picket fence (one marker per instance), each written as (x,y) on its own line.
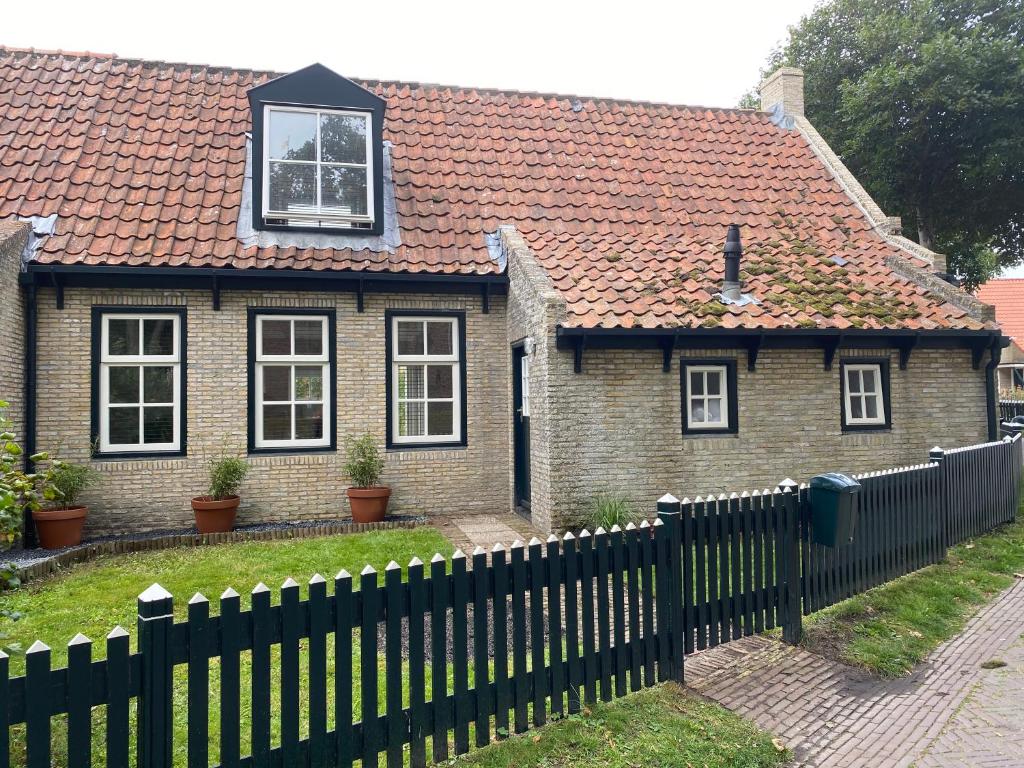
(1010,409)
(523,636)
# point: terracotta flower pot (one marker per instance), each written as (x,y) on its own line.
(59,528)
(215,516)
(368,504)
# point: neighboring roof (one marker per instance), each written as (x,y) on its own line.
(1007,296)
(624,203)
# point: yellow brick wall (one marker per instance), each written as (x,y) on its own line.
(12,322)
(148,494)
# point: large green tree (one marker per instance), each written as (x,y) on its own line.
(924,101)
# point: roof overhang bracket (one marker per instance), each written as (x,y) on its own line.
(753,349)
(977,352)
(668,347)
(906,348)
(359,296)
(831,347)
(485,298)
(577,354)
(215,290)
(58,289)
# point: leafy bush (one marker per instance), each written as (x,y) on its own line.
(70,480)
(226,476)
(608,509)
(19,490)
(364,464)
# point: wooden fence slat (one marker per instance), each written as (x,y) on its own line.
(757,543)
(5,725)
(79,702)
(520,689)
(603,618)
(662,592)
(735,562)
(747,539)
(574,662)
(37,705)
(417,673)
(199,683)
(395,720)
(230,679)
(590,671)
(554,619)
(460,652)
(369,595)
(502,684)
(635,647)
(714,604)
(538,667)
(617,564)
(439,601)
(291,632)
(481,590)
(700,546)
(646,542)
(117,736)
(344,609)
(319,625)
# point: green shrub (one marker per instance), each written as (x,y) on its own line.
(608,509)
(19,490)
(70,480)
(364,464)
(226,476)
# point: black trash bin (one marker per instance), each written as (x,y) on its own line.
(833,508)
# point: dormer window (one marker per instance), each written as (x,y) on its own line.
(317,154)
(318,167)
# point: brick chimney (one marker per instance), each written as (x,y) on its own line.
(784,86)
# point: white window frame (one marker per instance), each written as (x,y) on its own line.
(878,392)
(293,361)
(705,423)
(453,359)
(108,361)
(524,386)
(317,216)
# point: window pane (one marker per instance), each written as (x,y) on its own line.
(277,422)
(293,187)
(309,422)
(410,419)
(439,338)
(868,378)
(342,139)
(715,410)
(343,190)
(275,382)
(856,408)
(440,417)
(410,338)
(697,410)
(696,383)
(158,424)
(124,426)
(158,384)
(277,337)
(292,135)
(439,381)
(309,337)
(124,384)
(158,337)
(853,381)
(714,383)
(871,406)
(410,381)
(122,337)
(308,382)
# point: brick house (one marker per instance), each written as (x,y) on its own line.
(527,299)
(1006,295)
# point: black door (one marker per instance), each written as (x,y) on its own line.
(521,425)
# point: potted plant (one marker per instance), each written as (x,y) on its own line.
(368,499)
(59,524)
(215,512)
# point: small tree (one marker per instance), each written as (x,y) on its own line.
(226,476)
(365,464)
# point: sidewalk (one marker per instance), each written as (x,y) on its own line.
(949,712)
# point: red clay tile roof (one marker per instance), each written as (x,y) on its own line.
(1007,296)
(625,204)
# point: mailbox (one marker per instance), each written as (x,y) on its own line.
(833,508)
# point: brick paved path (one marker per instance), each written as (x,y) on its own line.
(950,712)
(485,531)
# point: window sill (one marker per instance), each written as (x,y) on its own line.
(857,429)
(292,451)
(412,447)
(698,434)
(142,455)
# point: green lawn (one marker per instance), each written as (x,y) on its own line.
(892,628)
(663,727)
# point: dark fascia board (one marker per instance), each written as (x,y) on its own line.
(651,338)
(227,279)
(317,86)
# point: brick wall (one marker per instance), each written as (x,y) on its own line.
(12,322)
(154,493)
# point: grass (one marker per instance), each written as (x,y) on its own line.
(892,628)
(661,727)
(92,598)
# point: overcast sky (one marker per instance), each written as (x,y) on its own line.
(702,52)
